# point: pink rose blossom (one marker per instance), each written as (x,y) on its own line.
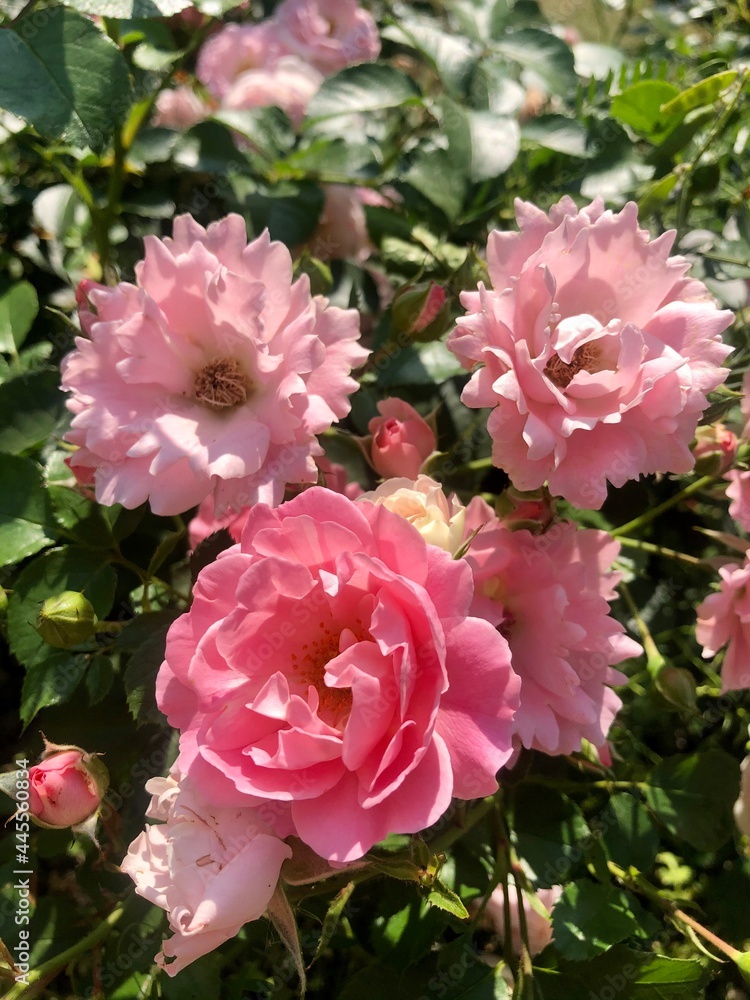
(328,34)
(341,232)
(597,352)
(179,108)
(212,869)
(724,620)
(327,665)
(62,790)
(288,83)
(742,805)
(210,376)
(234,50)
(401,440)
(549,595)
(739,493)
(539,927)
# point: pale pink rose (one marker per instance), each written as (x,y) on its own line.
(401,440)
(328,34)
(328,666)
(549,595)
(62,790)
(211,376)
(211,869)
(739,493)
(597,352)
(341,232)
(287,83)
(179,108)
(724,620)
(234,50)
(438,519)
(538,927)
(205,522)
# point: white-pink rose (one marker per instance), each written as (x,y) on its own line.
(439,520)
(538,926)
(328,34)
(288,83)
(597,352)
(179,108)
(724,620)
(211,869)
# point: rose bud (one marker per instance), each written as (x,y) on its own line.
(66,787)
(401,440)
(66,620)
(714,448)
(421,310)
(533,510)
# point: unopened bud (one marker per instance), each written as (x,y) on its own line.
(421,310)
(678,686)
(66,787)
(714,448)
(66,620)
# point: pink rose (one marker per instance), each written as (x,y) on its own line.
(211,376)
(742,805)
(597,352)
(739,493)
(234,50)
(401,440)
(288,83)
(724,620)
(342,228)
(539,927)
(211,869)
(327,666)
(549,595)
(64,789)
(328,34)
(179,108)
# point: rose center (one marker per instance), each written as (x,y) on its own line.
(222,384)
(309,667)
(585,358)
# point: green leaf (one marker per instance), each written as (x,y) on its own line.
(556,132)
(426,365)
(550,830)
(446,899)
(693,796)
(290,215)
(640,106)
(100,676)
(26,520)
(64,77)
(30,407)
(18,308)
(452,55)
(482,145)
(628,834)
(590,917)
(436,175)
(80,517)
(700,94)
(623,972)
(361,90)
(124,10)
(333,917)
(147,656)
(543,53)
(268,130)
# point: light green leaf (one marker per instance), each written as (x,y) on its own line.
(363,89)
(126,9)
(556,132)
(446,899)
(64,77)
(700,94)
(640,106)
(18,308)
(26,520)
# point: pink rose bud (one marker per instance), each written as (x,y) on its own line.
(401,440)
(533,510)
(714,449)
(66,787)
(421,310)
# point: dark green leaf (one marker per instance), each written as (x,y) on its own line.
(590,917)
(30,407)
(18,308)
(436,174)
(550,830)
(126,9)
(147,657)
(26,520)
(291,217)
(548,56)
(426,365)
(628,834)
(362,89)
(693,796)
(80,517)
(99,678)
(63,76)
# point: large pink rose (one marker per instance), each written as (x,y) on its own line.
(179,108)
(328,34)
(724,620)
(288,83)
(211,869)
(597,353)
(548,594)
(327,665)
(234,50)
(212,375)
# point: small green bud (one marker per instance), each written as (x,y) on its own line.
(422,311)
(66,620)
(678,686)
(3,601)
